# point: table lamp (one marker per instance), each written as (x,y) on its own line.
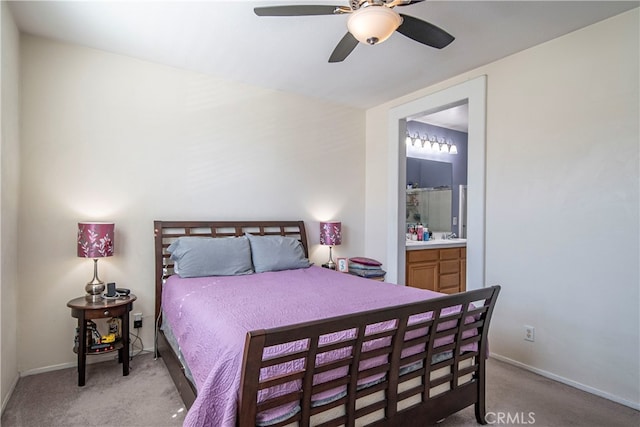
(95,240)
(330,235)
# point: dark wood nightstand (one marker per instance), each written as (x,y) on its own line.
(85,311)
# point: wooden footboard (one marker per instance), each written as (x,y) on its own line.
(406,393)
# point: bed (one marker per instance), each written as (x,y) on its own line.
(343,351)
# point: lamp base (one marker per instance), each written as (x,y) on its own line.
(94,292)
(95,287)
(330,264)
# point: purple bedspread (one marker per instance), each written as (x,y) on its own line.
(210,317)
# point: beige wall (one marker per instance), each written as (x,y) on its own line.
(9,174)
(562,204)
(107,137)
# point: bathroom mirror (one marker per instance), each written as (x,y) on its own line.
(429,194)
(431,207)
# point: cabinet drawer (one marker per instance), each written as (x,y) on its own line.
(463,252)
(422,255)
(449,291)
(450,253)
(451,266)
(449,281)
(100,313)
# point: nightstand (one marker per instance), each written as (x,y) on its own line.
(85,311)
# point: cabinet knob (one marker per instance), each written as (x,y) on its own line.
(106,312)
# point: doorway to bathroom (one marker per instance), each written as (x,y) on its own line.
(436,170)
(473,94)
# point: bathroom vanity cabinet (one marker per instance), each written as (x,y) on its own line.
(437,269)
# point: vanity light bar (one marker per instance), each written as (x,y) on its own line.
(431,143)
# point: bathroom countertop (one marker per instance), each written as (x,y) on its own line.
(413,245)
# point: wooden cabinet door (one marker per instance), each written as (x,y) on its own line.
(423,275)
(439,270)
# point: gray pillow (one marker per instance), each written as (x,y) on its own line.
(275,253)
(208,256)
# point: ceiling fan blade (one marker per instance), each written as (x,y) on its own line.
(344,48)
(409,3)
(424,32)
(296,10)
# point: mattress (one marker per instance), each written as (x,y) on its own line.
(173,343)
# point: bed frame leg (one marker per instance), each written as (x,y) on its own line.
(480,407)
(481,413)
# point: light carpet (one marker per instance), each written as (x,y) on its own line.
(148,398)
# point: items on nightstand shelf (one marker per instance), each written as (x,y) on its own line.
(367,268)
(99,343)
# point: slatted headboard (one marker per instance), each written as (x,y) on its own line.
(166,232)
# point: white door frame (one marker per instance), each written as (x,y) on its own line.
(474,92)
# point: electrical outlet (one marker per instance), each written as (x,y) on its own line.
(529,333)
(137,320)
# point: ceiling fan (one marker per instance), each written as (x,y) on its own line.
(370,22)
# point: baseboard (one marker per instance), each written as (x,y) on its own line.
(44,369)
(10,393)
(90,360)
(579,386)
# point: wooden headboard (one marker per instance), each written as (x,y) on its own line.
(166,232)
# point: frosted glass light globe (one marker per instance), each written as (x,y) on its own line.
(373,24)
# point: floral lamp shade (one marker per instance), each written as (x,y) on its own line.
(95,239)
(331,233)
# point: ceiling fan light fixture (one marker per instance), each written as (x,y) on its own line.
(373,24)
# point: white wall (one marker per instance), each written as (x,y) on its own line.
(107,137)
(9,174)
(562,204)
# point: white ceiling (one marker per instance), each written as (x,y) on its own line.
(456,118)
(226,39)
